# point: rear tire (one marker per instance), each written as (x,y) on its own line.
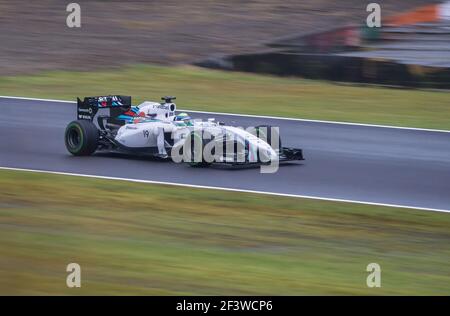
(81,138)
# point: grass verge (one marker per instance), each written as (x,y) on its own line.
(212,90)
(152,239)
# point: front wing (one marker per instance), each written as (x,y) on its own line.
(289,154)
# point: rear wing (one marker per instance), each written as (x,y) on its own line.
(88,108)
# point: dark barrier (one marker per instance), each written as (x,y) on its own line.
(336,68)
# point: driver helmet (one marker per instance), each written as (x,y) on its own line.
(183,118)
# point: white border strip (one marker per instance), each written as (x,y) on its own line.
(35,99)
(265,117)
(223,189)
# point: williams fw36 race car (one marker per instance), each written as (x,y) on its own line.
(111,123)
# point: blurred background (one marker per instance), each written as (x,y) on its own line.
(315,39)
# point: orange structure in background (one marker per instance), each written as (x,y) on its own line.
(428,13)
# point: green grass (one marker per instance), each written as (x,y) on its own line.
(211,90)
(151,239)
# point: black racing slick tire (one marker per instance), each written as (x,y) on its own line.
(81,138)
(194,136)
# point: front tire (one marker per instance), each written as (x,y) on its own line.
(193,137)
(81,138)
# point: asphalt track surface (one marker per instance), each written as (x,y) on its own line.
(362,163)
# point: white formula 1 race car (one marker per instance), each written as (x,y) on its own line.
(111,123)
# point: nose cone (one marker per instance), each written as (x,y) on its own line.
(266,152)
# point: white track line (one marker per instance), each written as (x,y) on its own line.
(266,117)
(35,99)
(224,189)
